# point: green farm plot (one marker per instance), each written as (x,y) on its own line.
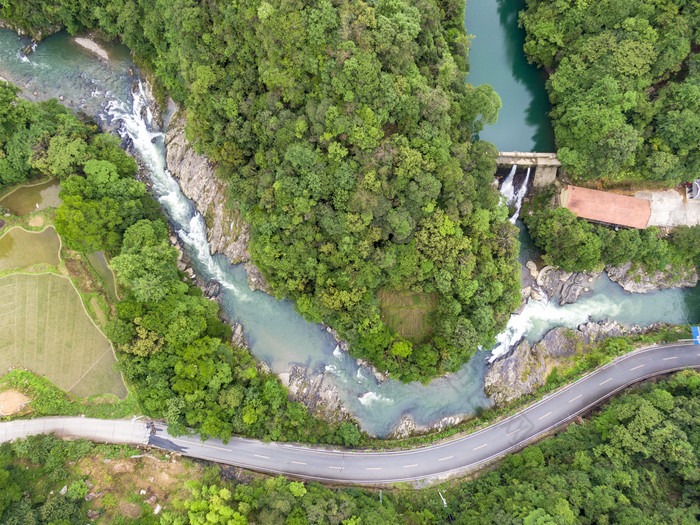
(45,328)
(409,313)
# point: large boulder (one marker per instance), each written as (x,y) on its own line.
(311,390)
(567,286)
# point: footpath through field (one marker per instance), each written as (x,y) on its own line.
(430,463)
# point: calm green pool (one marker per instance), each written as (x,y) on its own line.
(34,197)
(20,248)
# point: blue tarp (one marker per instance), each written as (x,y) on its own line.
(696,335)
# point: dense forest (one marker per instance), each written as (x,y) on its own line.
(345,130)
(171,344)
(635,463)
(625,85)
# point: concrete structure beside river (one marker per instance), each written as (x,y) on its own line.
(666,209)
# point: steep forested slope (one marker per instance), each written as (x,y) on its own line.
(625,84)
(345,130)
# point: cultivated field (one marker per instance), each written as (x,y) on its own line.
(44,328)
(409,313)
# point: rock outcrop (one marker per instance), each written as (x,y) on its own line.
(37,35)
(404,429)
(255,279)
(638,281)
(567,286)
(226,232)
(525,368)
(310,389)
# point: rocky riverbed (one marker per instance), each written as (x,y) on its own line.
(568,287)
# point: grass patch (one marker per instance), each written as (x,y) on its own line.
(47,329)
(46,399)
(408,313)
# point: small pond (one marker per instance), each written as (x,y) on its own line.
(20,248)
(35,197)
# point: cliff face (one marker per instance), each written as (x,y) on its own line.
(226,232)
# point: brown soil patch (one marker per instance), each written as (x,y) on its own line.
(12,402)
(161,480)
(37,221)
(130,510)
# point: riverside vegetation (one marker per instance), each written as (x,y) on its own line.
(635,462)
(345,132)
(576,245)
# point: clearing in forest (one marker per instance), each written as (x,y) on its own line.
(46,329)
(409,313)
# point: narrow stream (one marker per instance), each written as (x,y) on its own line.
(275,332)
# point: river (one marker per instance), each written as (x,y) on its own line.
(277,335)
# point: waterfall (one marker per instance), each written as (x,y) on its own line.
(507,188)
(519,196)
(512,197)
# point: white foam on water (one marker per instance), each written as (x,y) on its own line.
(371,398)
(192,229)
(538,317)
(338,353)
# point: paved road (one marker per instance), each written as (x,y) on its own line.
(132,432)
(442,459)
(432,462)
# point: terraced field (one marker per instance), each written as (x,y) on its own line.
(45,328)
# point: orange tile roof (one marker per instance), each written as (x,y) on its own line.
(607,207)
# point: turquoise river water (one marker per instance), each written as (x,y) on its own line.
(107,91)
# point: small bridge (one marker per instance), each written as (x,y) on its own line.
(546,164)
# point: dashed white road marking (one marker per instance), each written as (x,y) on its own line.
(336,468)
(635,368)
(443,459)
(261,456)
(512,432)
(669,358)
(542,417)
(610,379)
(481,446)
(298,462)
(574,399)
(373,468)
(410,466)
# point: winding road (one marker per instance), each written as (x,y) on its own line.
(430,463)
